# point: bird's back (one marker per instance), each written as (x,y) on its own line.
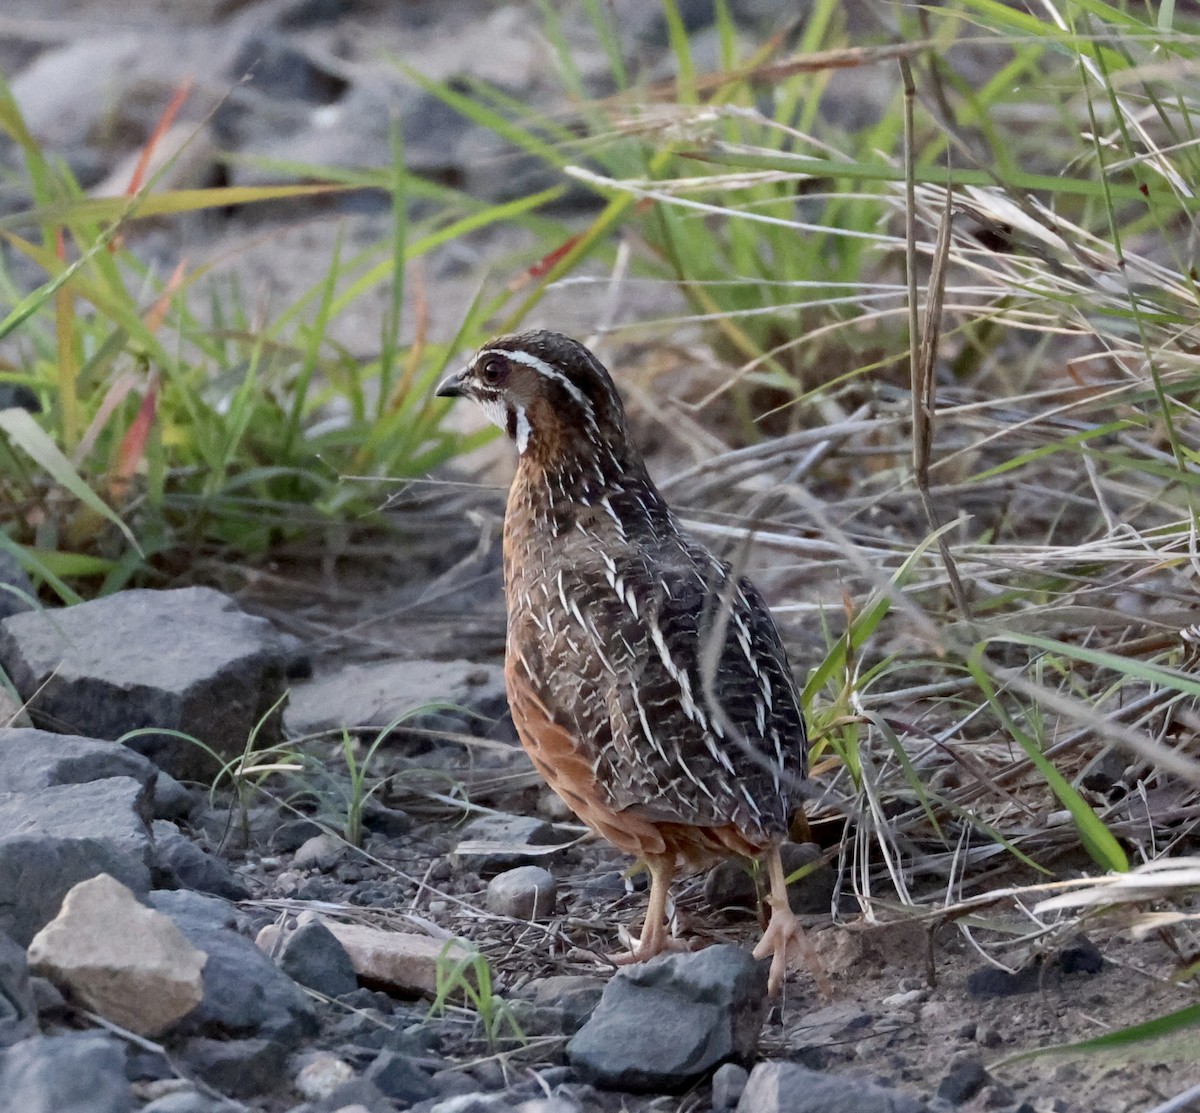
(667,674)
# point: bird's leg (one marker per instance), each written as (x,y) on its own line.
(784,935)
(654,939)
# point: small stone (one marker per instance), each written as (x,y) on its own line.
(400,1079)
(776,1087)
(402,961)
(180,864)
(987,1034)
(391,823)
(663,1024)
(905,999)
(728,1082)
(321,1075)
(575,996)
(292,834)
(128,963)
(321,852)
(312,956)
(524,893)
(965,1078)
(1082,956)
(239,1068)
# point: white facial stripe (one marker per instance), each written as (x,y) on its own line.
(544,369)
(522,430)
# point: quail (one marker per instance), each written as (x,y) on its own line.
(648,683)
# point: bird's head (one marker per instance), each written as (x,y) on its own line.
(549,393)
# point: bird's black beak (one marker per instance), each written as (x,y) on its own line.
(453,385)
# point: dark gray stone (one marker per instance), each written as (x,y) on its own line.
(292,834)
(382,820)
(185,660)
(965,1078)
(790,1088)
(52,839)
(575,996)
(239,1068)
(245,994)
(174,801)
(663,1024)
(180,864)
(312,956)
(81,1073)
(276,67)
(18,1012)
(32,759)
(493,843)
(400,1079)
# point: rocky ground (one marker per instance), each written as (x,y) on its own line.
(132,897)
(189,932)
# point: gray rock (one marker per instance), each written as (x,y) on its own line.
(278,68)
(312,956)
(239,1068)
(728,1085)
(245,994)
(663,1024)
(777,1087)
(32,759)
(525,893)
(190,1101)
(361,1092)
(965,1078)
(16,589)
(180,864)
(574,995)
(52,839)
(383,692)
(400,1079)
(174,801)
(185,660)
(81,1073)
(18,1011)
(120,959)
(493,843)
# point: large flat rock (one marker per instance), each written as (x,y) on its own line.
(186,660)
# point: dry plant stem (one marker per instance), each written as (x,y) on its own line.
(923,342)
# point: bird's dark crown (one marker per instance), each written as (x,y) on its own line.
(547,391)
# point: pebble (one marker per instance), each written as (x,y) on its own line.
(127,962)
(665,1023)
(524,893)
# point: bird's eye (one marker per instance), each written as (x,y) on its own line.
(493,371)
